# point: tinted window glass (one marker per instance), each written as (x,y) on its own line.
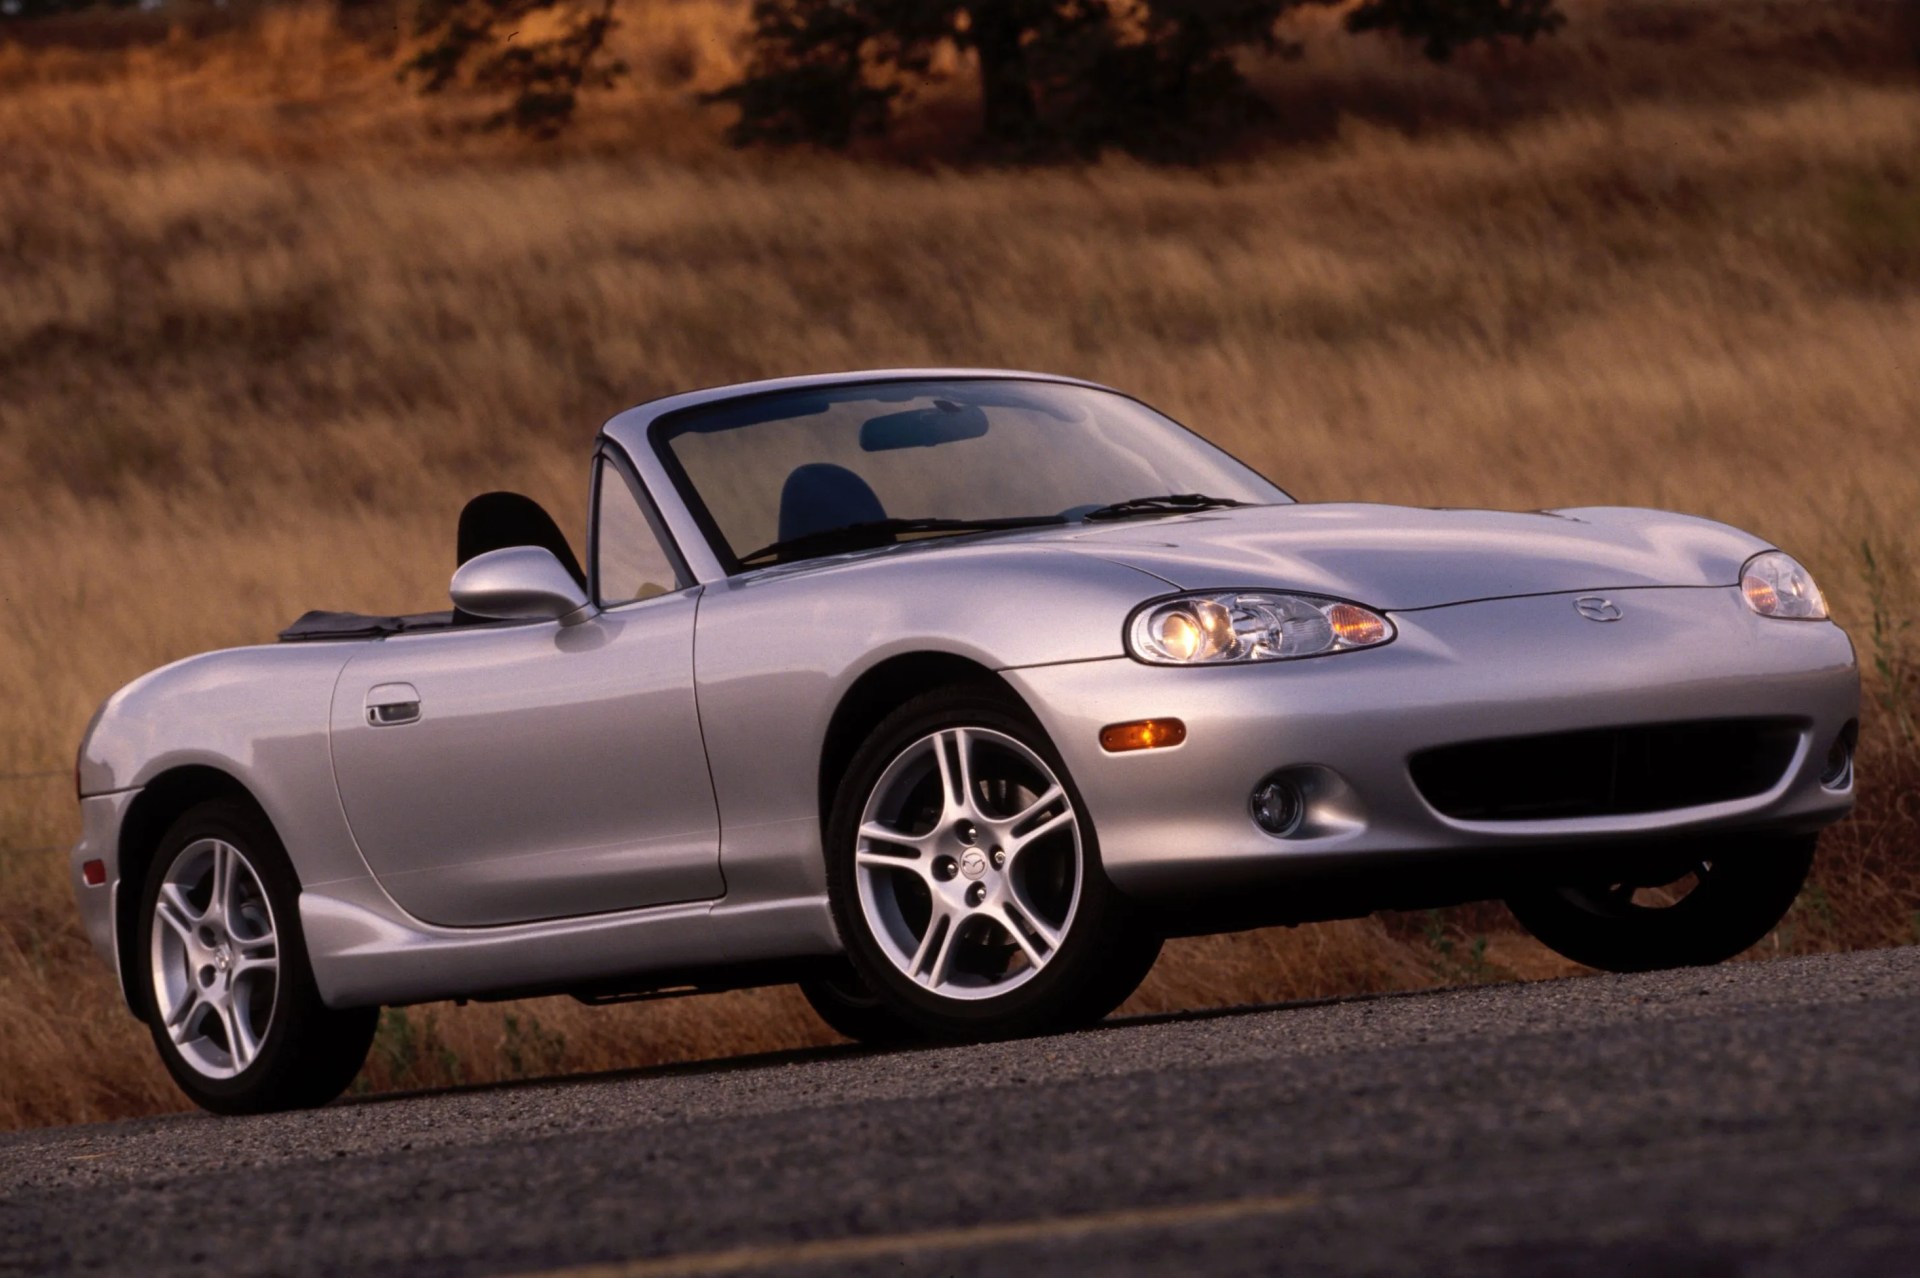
(767,467)
(632,563)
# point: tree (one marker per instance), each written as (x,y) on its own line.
(1076,71)
(1441,26)
(1158,73)
(47,8)
(481,42)
(829,70)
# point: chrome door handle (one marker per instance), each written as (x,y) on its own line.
(392,704)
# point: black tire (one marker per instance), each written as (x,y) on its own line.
(851,1009)
(1102,954)
(1739,892)
(308,1053)
(1127,966)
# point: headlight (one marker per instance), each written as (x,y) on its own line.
(1226,626)
(1775,585)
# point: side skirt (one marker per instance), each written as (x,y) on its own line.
(362,956)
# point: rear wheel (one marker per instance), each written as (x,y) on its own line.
(966,879)
(1702,910)
(230,998)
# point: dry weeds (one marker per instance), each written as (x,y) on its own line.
(264,323)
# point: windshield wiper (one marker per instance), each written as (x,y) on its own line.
(878,532)
(1171,504)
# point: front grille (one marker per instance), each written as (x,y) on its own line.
(1607,771)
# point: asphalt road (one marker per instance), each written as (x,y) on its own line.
(1753,1119)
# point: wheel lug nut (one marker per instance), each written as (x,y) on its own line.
(945,868)
(966,832)
(975,895)
(999,856)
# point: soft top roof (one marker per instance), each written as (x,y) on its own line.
(320,624)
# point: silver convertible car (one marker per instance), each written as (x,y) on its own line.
(948,695)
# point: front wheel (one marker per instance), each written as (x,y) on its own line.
(230,998)
(851,1009)
(1702,911)
(965,876)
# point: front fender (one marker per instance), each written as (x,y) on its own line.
(258,715)
(775,653)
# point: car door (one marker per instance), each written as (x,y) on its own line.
(510,772)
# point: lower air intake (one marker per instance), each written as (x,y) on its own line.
(1607,771)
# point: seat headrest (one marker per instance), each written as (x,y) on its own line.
(496,521)
(820,495)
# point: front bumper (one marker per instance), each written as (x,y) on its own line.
(1176,821)
(100,820)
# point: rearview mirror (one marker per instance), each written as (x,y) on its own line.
(520,583)
(944,423)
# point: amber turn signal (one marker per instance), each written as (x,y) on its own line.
(1142,734)
(1761,596)
(1355,627)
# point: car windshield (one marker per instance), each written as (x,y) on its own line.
(783,473)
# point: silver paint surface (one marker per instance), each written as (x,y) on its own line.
(554,770)
(1175,818)
(518,583)
(639,793)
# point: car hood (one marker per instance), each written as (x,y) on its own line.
(1399,558)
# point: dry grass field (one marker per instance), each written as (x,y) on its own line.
(266,321)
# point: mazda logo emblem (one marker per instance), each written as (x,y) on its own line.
(1594,608)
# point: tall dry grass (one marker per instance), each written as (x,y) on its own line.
(265,323)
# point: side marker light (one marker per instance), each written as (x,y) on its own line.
(1142,734)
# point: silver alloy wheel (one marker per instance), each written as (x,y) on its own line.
(969,863)
(215,958)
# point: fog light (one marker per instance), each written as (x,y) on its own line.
(1838,770)
(1277,806)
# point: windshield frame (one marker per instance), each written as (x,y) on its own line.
(660,428)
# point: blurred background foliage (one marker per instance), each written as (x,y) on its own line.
(269,315)
(1141,74)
